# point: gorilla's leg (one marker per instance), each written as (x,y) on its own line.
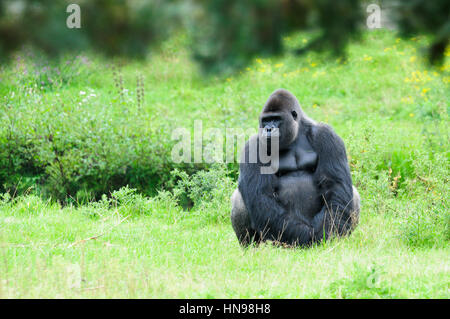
(356,207)
(241,220)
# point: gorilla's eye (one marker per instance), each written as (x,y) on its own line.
(294,115)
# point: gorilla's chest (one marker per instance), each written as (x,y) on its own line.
(295,187)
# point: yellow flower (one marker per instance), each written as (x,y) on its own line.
(228,79)
(279,65)
(248,69)
(304,40)
(313,64)
(412,59)
(387,49)
(397,40)
(367,58)
(314,105)
(411,114)
(258,61)
(424,91)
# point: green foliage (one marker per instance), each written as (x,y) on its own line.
(229,34)
(226,34)
(208,192)
(425,225)
(97,138)
(92,140)
(76,128)
(110,248)
(431,18)
(112,27)
(127,202)
(63,148)
(239,30)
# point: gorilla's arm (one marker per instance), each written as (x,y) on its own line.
(332,174)
(267,216)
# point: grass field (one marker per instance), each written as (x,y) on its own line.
(77,127)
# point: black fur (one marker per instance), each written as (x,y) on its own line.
(270,218)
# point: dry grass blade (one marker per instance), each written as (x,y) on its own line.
(99,235)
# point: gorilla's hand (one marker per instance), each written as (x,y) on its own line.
(268,217)
(317,222)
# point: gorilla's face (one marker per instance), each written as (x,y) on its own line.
(281,111)
(287,123)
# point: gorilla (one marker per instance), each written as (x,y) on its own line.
(310,197)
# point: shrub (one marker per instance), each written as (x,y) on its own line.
(424,224)
(206,192)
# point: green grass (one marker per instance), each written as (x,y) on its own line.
(389,108)
(175,254)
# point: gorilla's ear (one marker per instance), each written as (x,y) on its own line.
(294,115)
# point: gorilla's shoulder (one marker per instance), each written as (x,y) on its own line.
(323,128)
(323,135)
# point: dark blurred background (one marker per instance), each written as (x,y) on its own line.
(225,34)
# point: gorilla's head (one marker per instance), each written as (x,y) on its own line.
(281,111)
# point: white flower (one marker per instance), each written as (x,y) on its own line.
(82,93)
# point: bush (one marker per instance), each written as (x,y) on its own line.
(77,147)
(425,225)
(206,192)
(112,27)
